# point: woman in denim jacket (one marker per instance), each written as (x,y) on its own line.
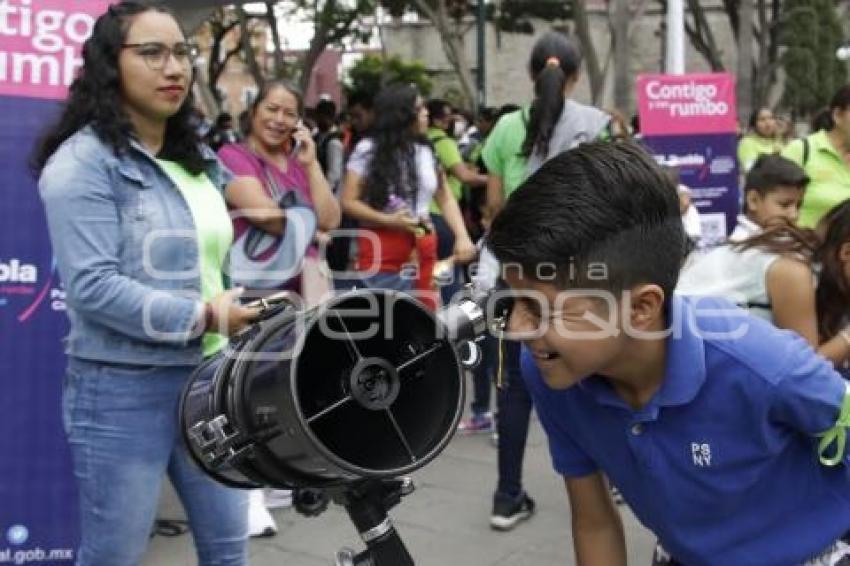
(139,229)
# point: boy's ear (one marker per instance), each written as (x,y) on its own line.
(647,306)
(753,199)
(844,252)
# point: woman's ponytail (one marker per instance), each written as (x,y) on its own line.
(554,61)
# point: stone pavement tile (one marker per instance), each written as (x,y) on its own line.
(443,523)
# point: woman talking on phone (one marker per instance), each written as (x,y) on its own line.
(278,150)
(277,157)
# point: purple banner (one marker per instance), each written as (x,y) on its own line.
(708,166)
(38,514)
(40,44)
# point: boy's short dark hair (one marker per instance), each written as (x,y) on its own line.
(438,109)
(601,204)
(326,109)
(488,113)
(771,171)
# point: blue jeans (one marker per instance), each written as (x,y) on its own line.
(514,404)
(445,247)
(387,280)
(122,426)
(483,375)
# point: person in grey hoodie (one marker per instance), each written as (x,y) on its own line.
(521,143)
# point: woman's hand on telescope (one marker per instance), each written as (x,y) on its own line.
(464,250)
(228,316)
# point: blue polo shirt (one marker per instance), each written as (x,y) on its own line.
(721,464)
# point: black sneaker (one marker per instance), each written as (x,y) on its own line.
(508,512)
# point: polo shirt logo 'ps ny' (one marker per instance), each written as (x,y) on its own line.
(701,454)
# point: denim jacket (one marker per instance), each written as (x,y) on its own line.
(127,252)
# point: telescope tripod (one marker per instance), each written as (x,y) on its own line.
(367,503)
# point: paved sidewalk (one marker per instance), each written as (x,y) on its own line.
(443,523)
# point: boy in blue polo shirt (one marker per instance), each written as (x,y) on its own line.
(724,434)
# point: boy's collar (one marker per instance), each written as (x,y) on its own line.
(744,228)
(684,374)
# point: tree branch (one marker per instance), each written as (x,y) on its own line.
(597,79)
(453,46)
(732,7)
(247,47)
(216,65)
(706,35)
(271,20)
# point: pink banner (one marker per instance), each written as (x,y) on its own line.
(40,43)
(686,104)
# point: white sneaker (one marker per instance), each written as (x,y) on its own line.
(260,521)
(278,498)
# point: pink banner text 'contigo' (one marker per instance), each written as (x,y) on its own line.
(687,104)
(40,44)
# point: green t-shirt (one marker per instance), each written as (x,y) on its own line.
(829,176)
(502,149)
(448,155)
(215,235)
(751,146)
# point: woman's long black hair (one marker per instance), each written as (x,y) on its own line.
(821,246)
(833,293)
(784,238)
(392,169)
(840,101)
(754,118)
(95,97)
(554,61)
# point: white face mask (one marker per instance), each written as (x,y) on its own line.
(460,127)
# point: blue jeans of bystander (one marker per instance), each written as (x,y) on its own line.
(122,426)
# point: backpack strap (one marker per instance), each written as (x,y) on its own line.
(806,150)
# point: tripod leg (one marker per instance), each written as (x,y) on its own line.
(367,508)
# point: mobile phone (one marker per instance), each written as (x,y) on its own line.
(296,143)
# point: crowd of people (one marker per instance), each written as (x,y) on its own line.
(405,198)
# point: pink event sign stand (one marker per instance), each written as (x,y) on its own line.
(40,44)
(690,122)
(687,104)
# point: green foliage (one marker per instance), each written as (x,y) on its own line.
(831,73)
(372,72)
(454,96)
(811,34)
(342,21)
(515,15)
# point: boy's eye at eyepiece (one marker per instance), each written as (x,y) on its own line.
(504,305)
(502,302)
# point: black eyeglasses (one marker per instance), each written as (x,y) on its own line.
(156,54)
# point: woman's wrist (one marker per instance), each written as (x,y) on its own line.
(209,317)
(203,318)
(844,333)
